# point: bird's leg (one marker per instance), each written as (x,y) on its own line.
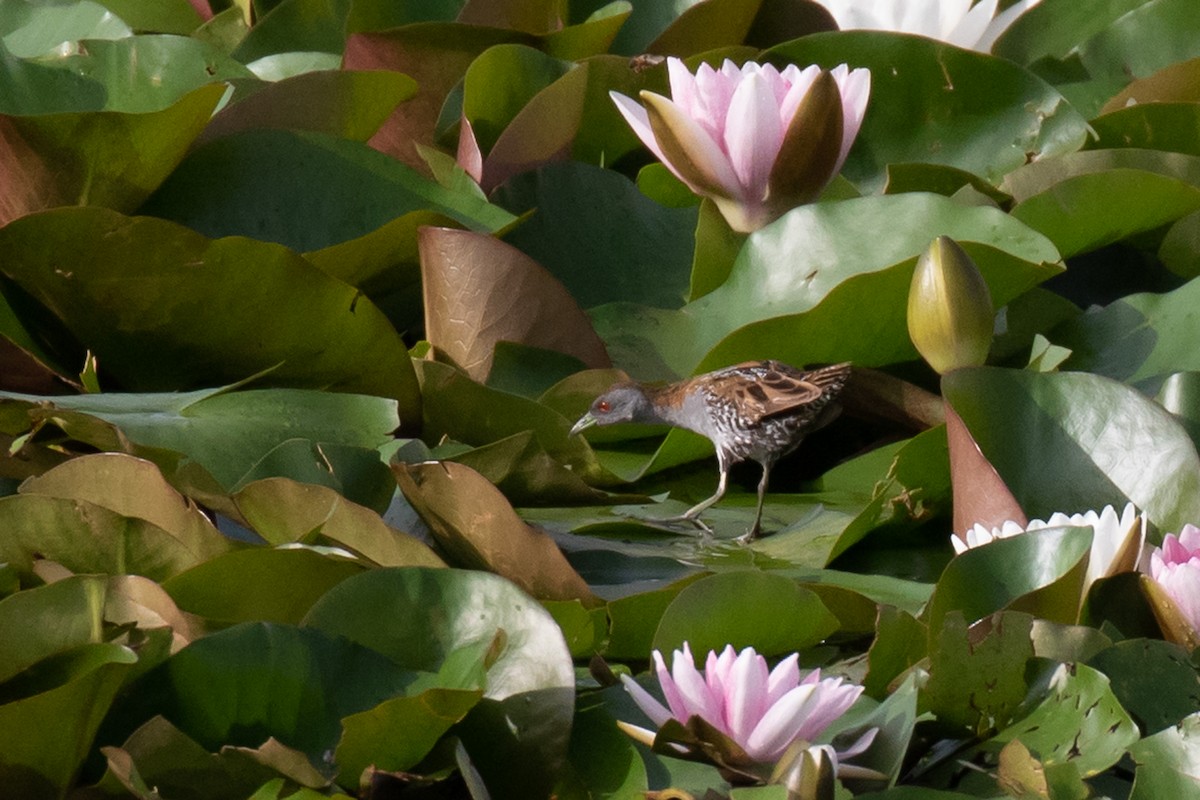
(692,514)
(756,528)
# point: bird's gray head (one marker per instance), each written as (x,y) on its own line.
(625,402)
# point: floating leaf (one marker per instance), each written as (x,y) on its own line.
(1073,442)
(473,522)
(932,102)
(472,285)
(108,158)
(726,609)
(193,311)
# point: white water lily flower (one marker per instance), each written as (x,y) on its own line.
(763,711)
(974,27)
(1116,541)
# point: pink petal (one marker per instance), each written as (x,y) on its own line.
(637,118)
(784,678)
(1189,537)
(717,669)
(1174,552)
(746,694)
(683,87)
(697,699)
(1182,583)
(801,83)
(832,699)
(670,691)
(714,90)
(779,727)
(656,711)
(855,87)
(753,135)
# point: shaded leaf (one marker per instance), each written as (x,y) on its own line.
(595,232)
(108,158)
(202,318)
(473,522)
(479,291)
(284,511)
(40,760)
(977,673)
(258,584)
(306,190)
(343,103)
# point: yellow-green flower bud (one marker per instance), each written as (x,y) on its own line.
(950,314)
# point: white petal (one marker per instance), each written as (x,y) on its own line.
(971,26)
(753,135)
(1001,22)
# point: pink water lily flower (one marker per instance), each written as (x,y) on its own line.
(763,711)
(756,140)
(1176,568)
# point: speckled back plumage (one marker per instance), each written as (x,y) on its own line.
(758,410)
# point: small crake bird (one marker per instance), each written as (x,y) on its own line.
(759,410)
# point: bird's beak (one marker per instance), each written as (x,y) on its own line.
(586,421)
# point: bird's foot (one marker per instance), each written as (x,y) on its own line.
(693,520)
(750,535)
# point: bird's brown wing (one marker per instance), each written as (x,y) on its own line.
(765,388)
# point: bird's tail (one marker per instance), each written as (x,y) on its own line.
(831,379)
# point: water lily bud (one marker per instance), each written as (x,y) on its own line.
(950,314)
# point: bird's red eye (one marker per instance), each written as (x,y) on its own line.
(603,407)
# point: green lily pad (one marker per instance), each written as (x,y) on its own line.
(41,760)
(137,74)
(1078,722)
(225,433)
(203,318)
(1154,681)
(977,677)
(305,190)
(106,158)
(343,103)
(258,584)
(1167,762)
(600,236)
(1154,126)
(932,102)
(1069,199)
(1072,442)
(257,680)
(986,579)
(28,30)
(726,609)
(1139,339)
(419,615)
(294,25)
